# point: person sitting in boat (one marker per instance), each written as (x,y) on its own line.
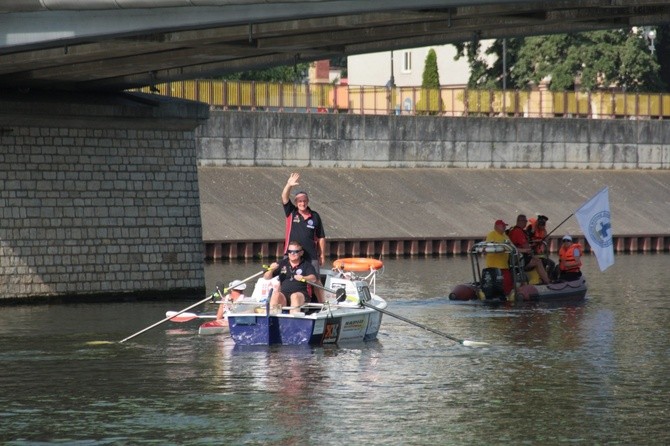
(520,239)
(236,288)
(292,272)
(500,260)
(537,232)
(570,263)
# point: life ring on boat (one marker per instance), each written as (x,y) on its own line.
(358,264)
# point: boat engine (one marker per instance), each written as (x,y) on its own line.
(492,283)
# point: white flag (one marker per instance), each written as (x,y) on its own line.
(594,219)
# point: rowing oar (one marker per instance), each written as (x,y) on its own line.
(185,317)
(340,295)
(225,291)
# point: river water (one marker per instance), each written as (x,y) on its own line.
(595,373)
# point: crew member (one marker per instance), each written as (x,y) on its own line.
(570,262)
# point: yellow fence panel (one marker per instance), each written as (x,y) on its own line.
(410,100)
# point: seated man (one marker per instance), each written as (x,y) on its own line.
(519,237)
(293,272)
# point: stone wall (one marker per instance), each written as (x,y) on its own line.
(102,202)
(342,140)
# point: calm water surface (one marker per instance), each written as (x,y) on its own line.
(597,373)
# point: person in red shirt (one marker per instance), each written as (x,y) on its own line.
(519,237)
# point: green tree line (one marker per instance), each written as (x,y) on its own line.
(623,59)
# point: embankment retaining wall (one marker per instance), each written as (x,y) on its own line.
(343,140)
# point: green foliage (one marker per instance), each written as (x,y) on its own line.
(289,74)
(429,101)
(586,61)
(485,77)
(478,69)
(431,76)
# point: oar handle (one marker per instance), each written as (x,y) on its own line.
(340,293)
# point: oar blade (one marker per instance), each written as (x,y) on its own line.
(183,317)
(475,343)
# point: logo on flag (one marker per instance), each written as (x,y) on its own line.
(594,219)
(600,229)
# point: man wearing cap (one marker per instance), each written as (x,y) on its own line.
(519,237)
(570,262)
(303,225)
(236,288)
(500,260)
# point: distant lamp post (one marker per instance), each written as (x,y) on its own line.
(390,85)
(649,35)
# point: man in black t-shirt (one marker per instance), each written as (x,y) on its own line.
(292,272)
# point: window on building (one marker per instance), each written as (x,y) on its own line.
(407,62)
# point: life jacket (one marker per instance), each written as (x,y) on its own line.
(567,254)
(536,235)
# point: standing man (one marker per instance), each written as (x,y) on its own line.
(500,260)
(304,226)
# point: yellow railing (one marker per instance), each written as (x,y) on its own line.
(446,101)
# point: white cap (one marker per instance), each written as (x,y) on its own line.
(566,237)
(237,285)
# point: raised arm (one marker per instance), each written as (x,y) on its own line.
(293,180)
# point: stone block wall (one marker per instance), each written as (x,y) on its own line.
(93,206)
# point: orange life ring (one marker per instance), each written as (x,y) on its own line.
(358,264)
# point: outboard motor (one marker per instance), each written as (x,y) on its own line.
(492,283)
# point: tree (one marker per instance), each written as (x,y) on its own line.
(485,77)
(430,85)
(289,74)
(587,61)
(431,76)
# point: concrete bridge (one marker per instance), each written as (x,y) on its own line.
(119,44)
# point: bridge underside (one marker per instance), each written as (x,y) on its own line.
(115,45)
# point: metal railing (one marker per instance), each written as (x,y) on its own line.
(446,101)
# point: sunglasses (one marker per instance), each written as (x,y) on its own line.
(294,251)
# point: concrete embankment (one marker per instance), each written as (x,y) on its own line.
(424,211)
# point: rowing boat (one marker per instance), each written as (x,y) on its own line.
(342,318)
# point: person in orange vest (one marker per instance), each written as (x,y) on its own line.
(537,232)
(570,262)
